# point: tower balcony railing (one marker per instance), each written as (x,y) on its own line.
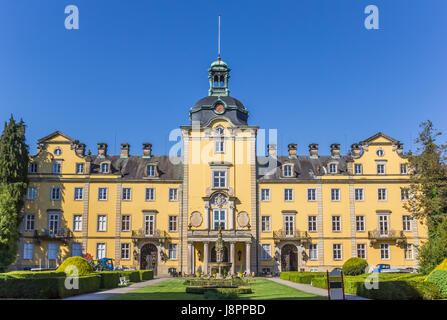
(292,235)
(386,235)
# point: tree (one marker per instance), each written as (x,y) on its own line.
(428,177)
(14,158)
(434,251)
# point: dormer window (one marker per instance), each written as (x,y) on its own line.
(287,170)
(57,151)
(403,168)
(220,131)
(33,167)
(150,170)
(104,168)
(333,168)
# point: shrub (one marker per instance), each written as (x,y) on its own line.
(87,284)
(32,274)
(133,276)
(146,275)
(109,279)
(300,277)
(82,264)
(439,277)
(354,266)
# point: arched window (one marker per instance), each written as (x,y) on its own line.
(220,131)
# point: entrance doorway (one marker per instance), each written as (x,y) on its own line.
(289,258)
(149,257)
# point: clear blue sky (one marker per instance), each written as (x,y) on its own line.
(307,68)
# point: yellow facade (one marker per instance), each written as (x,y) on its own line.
(292,212)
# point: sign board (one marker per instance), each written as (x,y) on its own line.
(335,285)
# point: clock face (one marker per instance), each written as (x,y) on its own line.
(219,108)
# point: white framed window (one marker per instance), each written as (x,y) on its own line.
(266,223)
(125,223)
(337,253)
(266,252)
(404,194)
(409,251)
(289,224)
(219,178)
(100,250)
(32,167)
(78,193)
(335,194)
(358,194)
(53,251)
(384,224)
(312,223)
(384,251)
(104,167)
(287,170)
(31,193)
(172,251)
(79,168)
(172,224)
(149,224)
(55,193)
(173,194)
(358,168)
(311,194)
(403,168)
(53,223)
(219,218)
(125,251)
(382,194)
(313,251)
(336,223)
(102,223)
(102,194)
(28,251)
(288,194)
(361,250)
(150,170)
(127,194)
(219,146)
(380,168)
(76,249)
(30,221)
(360,223)
(265,194)
(150,194)
(406,223)
(333,168)
(57,166)
(77,222)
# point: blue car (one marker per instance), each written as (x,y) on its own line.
(106,264)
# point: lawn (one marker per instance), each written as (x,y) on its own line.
(174,289)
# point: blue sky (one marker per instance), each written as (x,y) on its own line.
(307,68)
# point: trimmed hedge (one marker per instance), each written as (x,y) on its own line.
(46,288)
(301,277)
(32,274)
(201,290)
(391,287)
(439,277)
(133,276)
(146,275)
(84,268)
(109,279)
(354,266)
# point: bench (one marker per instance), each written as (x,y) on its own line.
(124,281)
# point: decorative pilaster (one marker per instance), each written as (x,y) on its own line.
(352,219)
(205,257)
(85,218)
(232,257)
(247,257)
(118,223)
(184,212)
(206,215)
(231,222)
(320,225)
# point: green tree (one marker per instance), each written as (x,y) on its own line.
(14,158)
(428,175)
(434,251)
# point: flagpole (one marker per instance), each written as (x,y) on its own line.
(218,39)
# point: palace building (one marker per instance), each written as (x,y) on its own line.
(278,212)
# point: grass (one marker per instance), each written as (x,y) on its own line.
(174,289)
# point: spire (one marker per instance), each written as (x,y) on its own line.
(219,73)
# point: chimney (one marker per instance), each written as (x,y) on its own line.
(102,149)
(400,149)
(125,148)
(355,150)
(272,150)
(80,149)
(88,162)
(292,150)
(313,150)
(335,150)
(147,150)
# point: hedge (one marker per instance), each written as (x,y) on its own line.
(46,288)
(32,274)
(201,290)
(301,277)
(109,279)
(133,276)
(439,277)
(354,266)
(146,275)
(391,287)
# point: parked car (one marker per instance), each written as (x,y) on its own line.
(386,268)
